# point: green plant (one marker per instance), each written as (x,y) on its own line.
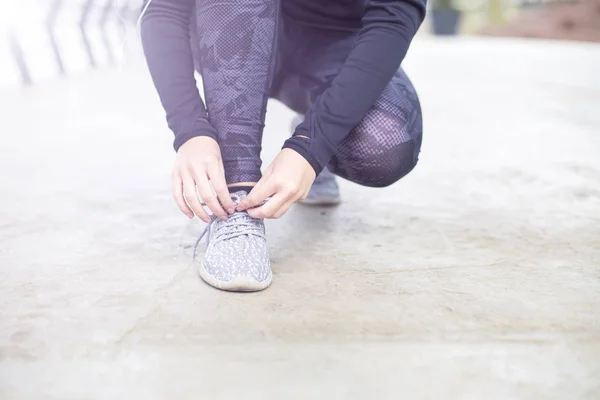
(496,12)
(442,4)
(459,5)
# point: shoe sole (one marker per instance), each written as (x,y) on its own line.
(322,201)
(237,284)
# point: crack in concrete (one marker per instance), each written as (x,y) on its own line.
(135,325)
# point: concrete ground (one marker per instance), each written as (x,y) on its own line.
(475,277)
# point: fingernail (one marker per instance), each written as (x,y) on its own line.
(224,218)
(231,210)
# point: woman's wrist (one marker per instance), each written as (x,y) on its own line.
(301,145)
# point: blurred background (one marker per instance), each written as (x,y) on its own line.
(542,19)
(51,38)
(44,39)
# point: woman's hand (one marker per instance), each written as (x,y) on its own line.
(198,165)
(287,180)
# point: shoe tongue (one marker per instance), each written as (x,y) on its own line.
(238,196)
(240,223)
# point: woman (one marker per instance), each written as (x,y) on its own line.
(334,61)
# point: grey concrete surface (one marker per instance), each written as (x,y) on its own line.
(476,277)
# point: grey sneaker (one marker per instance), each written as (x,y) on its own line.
(324,191)
(237,255)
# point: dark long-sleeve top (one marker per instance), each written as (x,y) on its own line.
(384,35)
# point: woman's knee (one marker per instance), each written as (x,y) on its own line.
(391,164)
(382,149)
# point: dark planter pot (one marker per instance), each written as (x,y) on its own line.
(445,21)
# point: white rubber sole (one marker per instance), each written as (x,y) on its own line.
(237,284)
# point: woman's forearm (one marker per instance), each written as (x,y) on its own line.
(165,32)
(388,28)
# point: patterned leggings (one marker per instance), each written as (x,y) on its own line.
(248,51)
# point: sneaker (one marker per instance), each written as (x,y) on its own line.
(237,255)
(324,191)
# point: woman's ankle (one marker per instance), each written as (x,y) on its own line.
(245,186)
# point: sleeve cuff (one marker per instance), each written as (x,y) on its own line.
(201,128)
(302,147)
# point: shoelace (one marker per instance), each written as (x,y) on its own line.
(238,224)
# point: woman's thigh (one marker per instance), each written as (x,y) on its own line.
(308,59)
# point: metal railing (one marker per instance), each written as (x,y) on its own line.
(108,21)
